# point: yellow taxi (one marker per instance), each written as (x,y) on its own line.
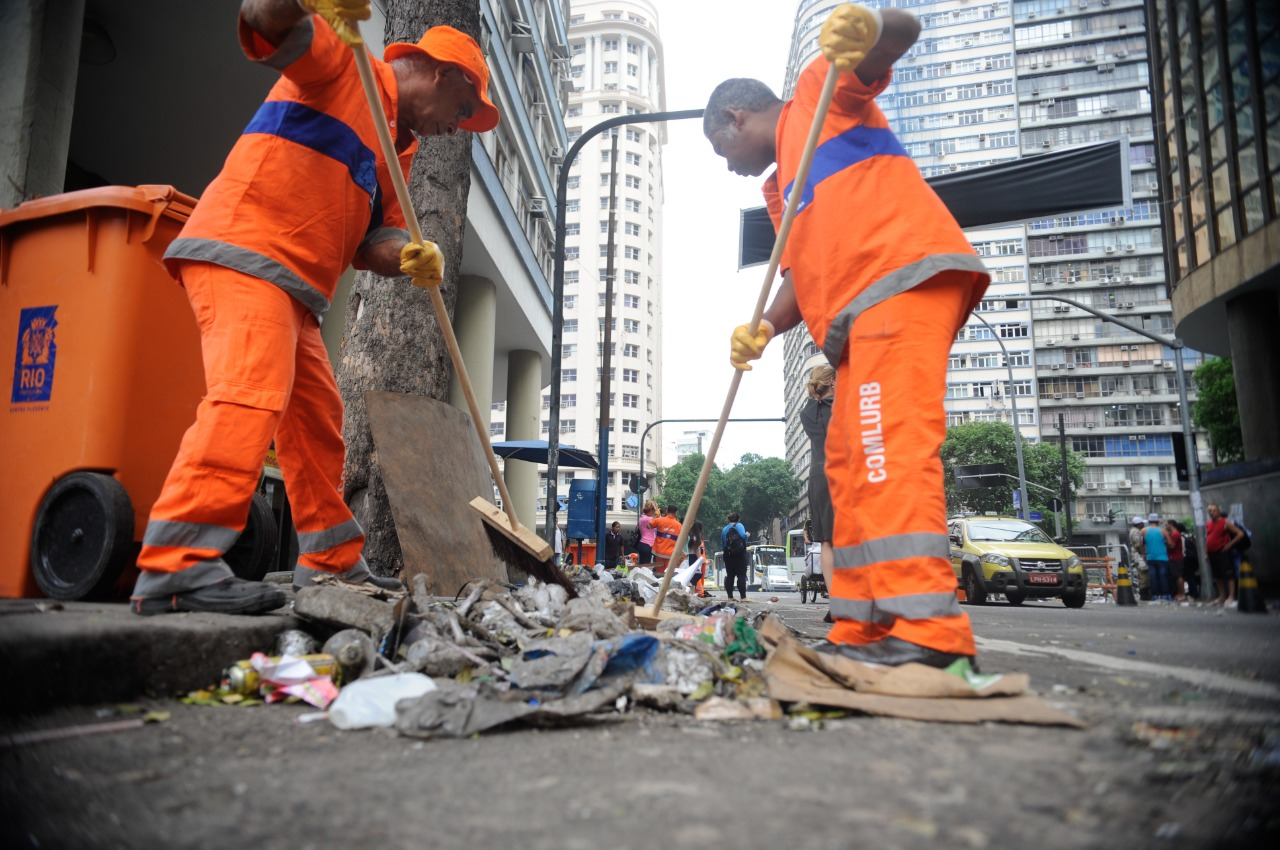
(997,554)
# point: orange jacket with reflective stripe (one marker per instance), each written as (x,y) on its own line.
(305,186)
(666,531)
(868,225)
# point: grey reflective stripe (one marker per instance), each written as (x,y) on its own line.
(251,263)
(294,46)
(322,541)
(155,584)
(894,283)
(189,535)
(302,575)
(916,606)
(919,544)
(384,234)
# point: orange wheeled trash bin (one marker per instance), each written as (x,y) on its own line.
(106,377)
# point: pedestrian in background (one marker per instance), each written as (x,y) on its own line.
(693,544)
(1177,559)
(666,530)
(1156,544)
(613,545)
(1137,559)
(644,548)
(815,417)
(1190,562)
(1220,535)
(735,556)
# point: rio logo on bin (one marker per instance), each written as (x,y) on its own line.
(37,353)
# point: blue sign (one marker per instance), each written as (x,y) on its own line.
(36,356)
(632,501)
(1036,516)
(1017,501)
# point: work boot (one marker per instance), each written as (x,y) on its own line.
(894,652)
(229,596)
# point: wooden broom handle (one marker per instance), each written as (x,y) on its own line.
(437,300)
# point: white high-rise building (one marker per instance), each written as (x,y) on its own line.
(615,66)
(991,82)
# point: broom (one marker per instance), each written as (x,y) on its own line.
(511,542)
(649,618)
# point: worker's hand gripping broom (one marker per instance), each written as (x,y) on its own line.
(514,543)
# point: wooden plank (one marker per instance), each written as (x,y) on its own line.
(433,466)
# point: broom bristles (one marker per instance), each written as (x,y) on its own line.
(515,556)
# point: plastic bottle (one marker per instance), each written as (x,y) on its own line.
(372,702)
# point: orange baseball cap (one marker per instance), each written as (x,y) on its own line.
(446,44)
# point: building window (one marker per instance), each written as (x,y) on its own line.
(631,376)
(570,326)
(572,206)
(632,253)
(633,182)
(633,70)
(568,376)
(632,229)
(631,301)
(632,205)
(574,182)
(633,159)
(569,400)
(571,276)
(631,350)
(631,326)
(630,426)
(497,429)
(611,67)
(571,252)
(572,229)
(611,108)
(569,350)
(611,44)
(632,278)
(629,400)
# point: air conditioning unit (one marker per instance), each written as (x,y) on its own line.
(1157,499)
(1125,484)
(1153,186)
(1048,63)
(1048,101)
(1057,395)
(1122,54)
(1091,485)
(1127,305)
(1071,365)
(1089,424)
(1046,144)
(1079,395)
(1054,367)
(1031,16)
(538,207)
(1050,342)
(1130,248)
(1128,278)
(1075,336)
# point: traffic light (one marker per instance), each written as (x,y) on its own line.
(1111,517)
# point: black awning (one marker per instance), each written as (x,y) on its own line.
(1073,180)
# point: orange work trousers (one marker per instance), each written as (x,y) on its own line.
(893,574)
(267,376)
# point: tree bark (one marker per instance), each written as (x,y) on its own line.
(391,341)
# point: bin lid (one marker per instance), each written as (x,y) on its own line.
(151,199)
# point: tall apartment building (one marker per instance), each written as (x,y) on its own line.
(993,81)
(615,66)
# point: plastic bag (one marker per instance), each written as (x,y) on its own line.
(372,702)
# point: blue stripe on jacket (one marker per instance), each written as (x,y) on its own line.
(322,133)
(855,145)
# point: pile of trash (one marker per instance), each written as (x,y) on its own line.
(499,654)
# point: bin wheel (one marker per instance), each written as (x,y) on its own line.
(254,551)
(83,536)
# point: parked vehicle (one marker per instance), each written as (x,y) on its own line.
(994,554)
(777,579)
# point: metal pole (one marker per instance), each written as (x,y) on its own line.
(1024,504)
(606,410)
(557,286)
(1193,479)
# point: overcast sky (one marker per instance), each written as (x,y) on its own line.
(706,296)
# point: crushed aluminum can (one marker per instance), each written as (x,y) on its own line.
(242,678)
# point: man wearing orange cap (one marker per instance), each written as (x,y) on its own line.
(884,278)
(304,194)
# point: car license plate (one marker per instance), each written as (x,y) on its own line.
(1042,578)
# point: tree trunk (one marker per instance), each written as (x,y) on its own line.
(391,341)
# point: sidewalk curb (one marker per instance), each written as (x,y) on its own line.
(55,654)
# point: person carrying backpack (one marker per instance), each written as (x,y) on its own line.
(733,540)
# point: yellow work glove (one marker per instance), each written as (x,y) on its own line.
(342,15)
(743,346)
(849,34)
(423,262)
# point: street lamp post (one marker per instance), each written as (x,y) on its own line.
(1017,433)
(557,307)
(660,421)
(1193,474)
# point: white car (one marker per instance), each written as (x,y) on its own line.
(777,579)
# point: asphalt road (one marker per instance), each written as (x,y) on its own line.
(1182,750)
